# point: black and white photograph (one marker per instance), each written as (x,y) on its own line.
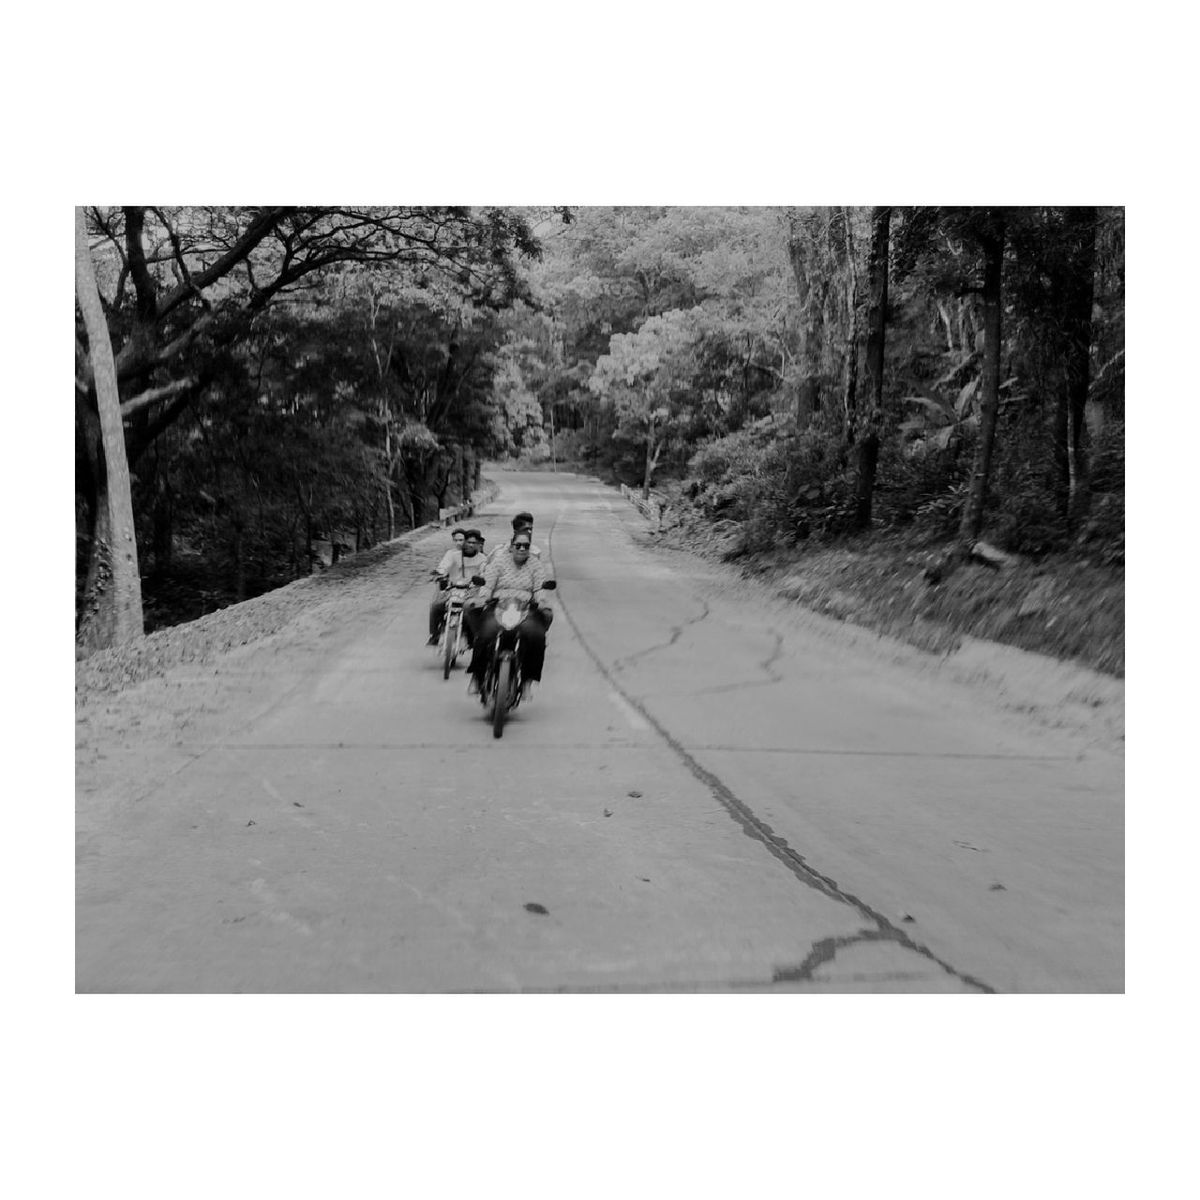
(652,599)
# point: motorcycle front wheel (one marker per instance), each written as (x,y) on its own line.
(500,697)
(450,653)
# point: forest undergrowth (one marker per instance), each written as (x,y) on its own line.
(1068,606)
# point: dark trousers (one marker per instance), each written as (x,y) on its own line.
(437,614)
(533,643)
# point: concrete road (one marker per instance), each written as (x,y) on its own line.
(711,792)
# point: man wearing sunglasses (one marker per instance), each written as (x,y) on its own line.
(521,523)
(516,573)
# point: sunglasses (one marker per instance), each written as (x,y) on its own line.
(520,545)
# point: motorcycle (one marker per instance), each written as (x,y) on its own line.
(452,641)
(500,691)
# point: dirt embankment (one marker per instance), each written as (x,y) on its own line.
(1070,610)
(203,640)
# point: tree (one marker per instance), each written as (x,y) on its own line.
(1080,294)
(989,230)
(116,557)
(186,287)
(643,376)
(868,441)
(820,249)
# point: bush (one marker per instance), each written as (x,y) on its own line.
(922,484)
(1031,522)
(942,514)
(1103,533)
(1108,460)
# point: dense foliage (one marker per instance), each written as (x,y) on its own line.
(292,377)
(289,375)
(726,349)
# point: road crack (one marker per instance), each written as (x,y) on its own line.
(758,830)
(676,633)
(767,666)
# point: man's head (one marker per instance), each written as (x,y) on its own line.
(458,537)
(472,543)
(520,546)
(522,520)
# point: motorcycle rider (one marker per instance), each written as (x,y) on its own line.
(516,573)
(458,564)
(523,523)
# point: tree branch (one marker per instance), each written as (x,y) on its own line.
(143,284)
(150,395)
(256,232)
(177,249)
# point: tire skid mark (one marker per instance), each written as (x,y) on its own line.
(758,830)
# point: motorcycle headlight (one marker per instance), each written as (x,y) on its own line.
(510,617)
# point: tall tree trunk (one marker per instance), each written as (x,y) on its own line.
(808,400)
(811,290)
(653,449)
(458,474)
(868,442)
(164,513)
(469,457)
(989,400)
(294,564)
(115,617)
(239,557)
(850,394)
(1081,224)
(391,507)
(389,467)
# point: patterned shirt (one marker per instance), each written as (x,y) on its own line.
(504,578)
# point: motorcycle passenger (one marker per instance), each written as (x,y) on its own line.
(456,565)
(514,574)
